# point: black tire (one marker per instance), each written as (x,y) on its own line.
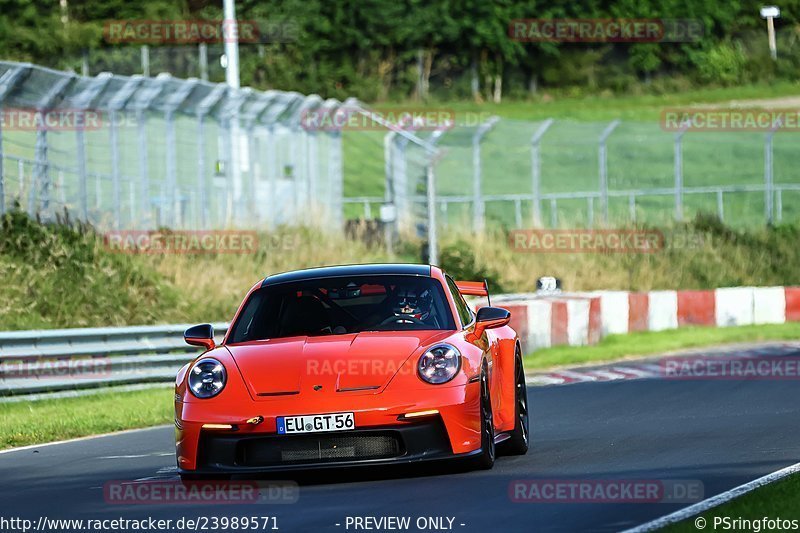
(485,460)
(519,440)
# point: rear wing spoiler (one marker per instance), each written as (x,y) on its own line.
(474,288)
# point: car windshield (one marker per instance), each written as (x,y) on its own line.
(340,305)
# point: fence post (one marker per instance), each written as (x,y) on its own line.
(8,81)
(171,106)
(115,105)
(679,174)
(433,155)
(202,194)
(202,111)
(273,170)
(313,170)
(603,164)
(536,171)
(112,130)
(478,210)
(39,174)
(632,206)
(769,192)
(2,164)
(255,176)
(169,214)
(336,177)
(83,192)
(430,184)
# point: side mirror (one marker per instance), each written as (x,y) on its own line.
(202,335)
(489,318)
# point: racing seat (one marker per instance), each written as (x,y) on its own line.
(305,315)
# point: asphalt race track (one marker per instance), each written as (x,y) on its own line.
(723,433)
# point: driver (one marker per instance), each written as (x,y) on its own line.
(410,301)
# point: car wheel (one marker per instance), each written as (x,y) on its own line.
(518,442)
(485,460)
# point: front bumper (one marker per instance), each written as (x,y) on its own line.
(455,431)
(240,454)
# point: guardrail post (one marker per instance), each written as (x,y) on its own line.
(720,206)
(590,211)
(536,171)
(602,153)
(478,208)
(779,205)
(553,213)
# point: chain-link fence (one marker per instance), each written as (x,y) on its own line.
(567,173)
(140,152)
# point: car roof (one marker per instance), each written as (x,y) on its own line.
(349,270)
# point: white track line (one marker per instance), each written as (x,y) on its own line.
(719,499)
(33,446)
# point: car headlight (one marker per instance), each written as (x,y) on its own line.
(439,364)
(207,378)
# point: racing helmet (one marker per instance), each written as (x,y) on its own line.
(413,301)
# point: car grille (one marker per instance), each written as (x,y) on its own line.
(318,449)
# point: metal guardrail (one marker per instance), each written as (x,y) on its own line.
(73,359)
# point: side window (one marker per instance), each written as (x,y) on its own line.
(464,312)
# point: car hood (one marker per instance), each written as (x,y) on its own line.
(359,362)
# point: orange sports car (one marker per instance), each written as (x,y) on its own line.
(352,365)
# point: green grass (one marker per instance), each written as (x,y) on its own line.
(607,106)
(65,418)
(616,347)
(776,500)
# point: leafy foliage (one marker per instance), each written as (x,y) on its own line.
(390,49)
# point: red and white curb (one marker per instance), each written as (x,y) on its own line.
(552,319)
(651,368)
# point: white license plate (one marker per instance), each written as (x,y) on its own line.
(315,423)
